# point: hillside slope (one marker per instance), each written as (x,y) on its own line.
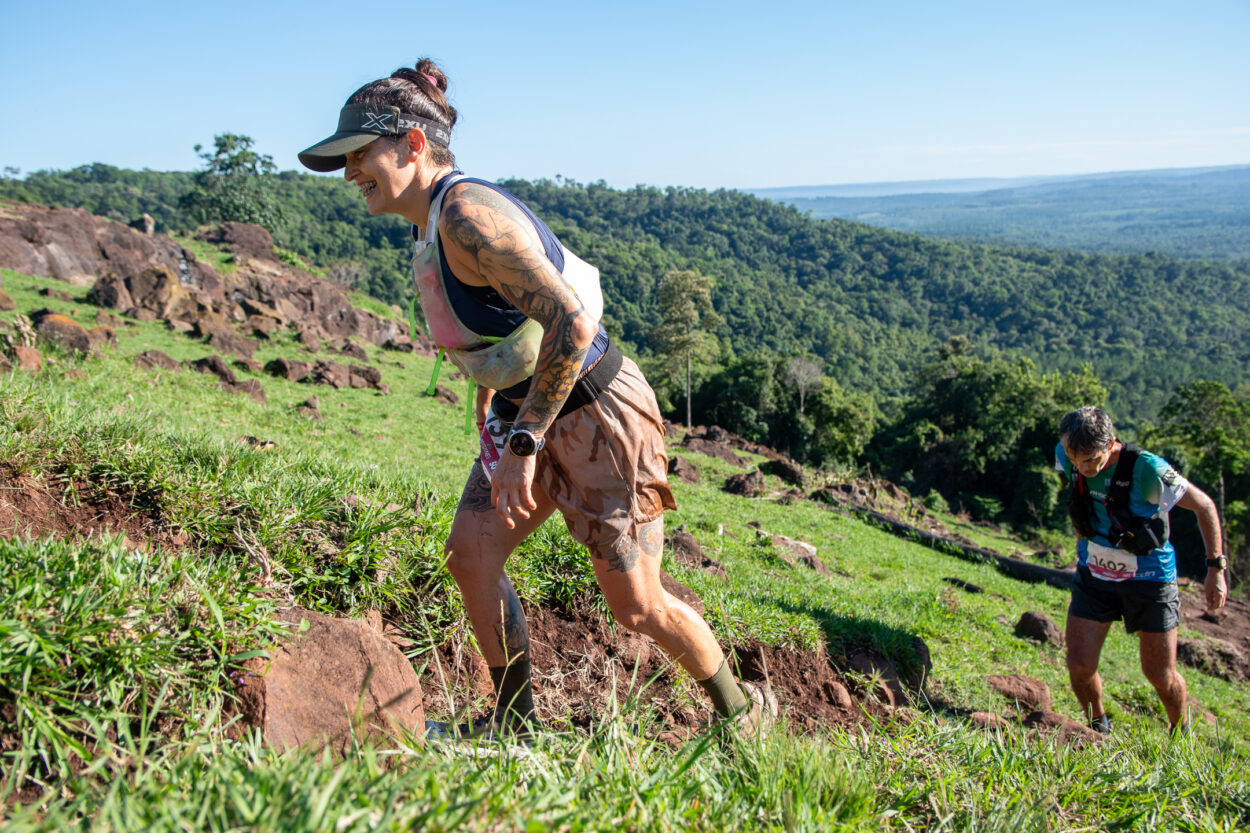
(120,654)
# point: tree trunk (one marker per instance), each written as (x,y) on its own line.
(687,391)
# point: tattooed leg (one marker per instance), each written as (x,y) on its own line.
(477,549)
(629,573)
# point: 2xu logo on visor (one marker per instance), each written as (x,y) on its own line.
(390,121)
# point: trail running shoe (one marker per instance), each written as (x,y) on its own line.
(1101,725)
(761,712)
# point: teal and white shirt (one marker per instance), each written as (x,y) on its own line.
(1157,487)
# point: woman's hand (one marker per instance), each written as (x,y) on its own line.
(511,488)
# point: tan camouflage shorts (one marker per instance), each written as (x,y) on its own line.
(605,466)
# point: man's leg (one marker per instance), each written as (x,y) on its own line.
(1158,663)
(477,549)
(1084,638)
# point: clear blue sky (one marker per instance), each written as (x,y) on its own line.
(715,94)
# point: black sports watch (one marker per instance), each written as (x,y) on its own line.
(1220,563)
(523,443)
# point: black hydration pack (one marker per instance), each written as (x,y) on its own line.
(1131,533)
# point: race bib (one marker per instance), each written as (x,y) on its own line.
(494,436)
(1110,563)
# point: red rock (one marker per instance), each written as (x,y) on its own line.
(987,720)
(1026,692)
(1040,627)
(328,680)
(150,359)
(684,470)
(1048,722)
(215,365)
(62,330)
(28,358)
(292,371)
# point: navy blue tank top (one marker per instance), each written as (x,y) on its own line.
(482,309)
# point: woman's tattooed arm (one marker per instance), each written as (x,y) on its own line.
(503,244)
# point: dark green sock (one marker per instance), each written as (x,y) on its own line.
(727,696)
(514,695)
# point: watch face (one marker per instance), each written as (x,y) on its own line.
(521,443)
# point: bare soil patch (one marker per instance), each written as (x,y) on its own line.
(74,508)
(582,664)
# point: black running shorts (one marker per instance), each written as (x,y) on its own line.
(1150,606)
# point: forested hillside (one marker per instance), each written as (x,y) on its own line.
(872,304)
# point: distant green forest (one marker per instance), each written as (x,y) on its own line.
(1192,214)
(872,304)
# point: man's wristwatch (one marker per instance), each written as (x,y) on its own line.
(1220,563)
(523,443)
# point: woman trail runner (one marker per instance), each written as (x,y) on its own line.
(568,423)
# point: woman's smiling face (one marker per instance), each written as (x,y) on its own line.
(381,170)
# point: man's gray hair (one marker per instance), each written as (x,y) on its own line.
(1088,429)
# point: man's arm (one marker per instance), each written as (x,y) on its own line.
(1198,502)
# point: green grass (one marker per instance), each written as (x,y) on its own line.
(116,661)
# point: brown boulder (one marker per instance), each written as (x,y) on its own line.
(793,551)
(249,387)
(27,358)
(366,376)
(103,336)
(292,371)
(228,342)
(1069,730)
(1024,691)
(215,365)
(1040,627)
(158,290)
(62,330)
(335,375)
(105,319)
(244,240)
(683,469)
(255,308)
(686,551)
(988,720)
(1217,657)
(713,449)
(58,294)
(261,326)
(747,484)
(152,359)
(331,680)
(309,340)
(347,347)
(784,468)
(6,303)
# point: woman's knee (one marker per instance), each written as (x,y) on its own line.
(465,561)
